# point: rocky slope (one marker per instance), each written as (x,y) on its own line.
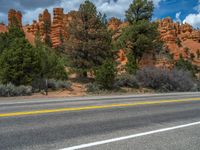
(179,39)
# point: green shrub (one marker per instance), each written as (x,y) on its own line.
(165,80)
(126,80)
(105,75)
(12,90)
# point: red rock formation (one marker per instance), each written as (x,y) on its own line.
(171,33)
(114,24)
(14,17)
(57,26)
(179,37)
(44,18)
(3,28)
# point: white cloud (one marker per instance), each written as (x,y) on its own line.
(111,8)
(194,19)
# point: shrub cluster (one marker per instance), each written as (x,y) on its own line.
(165,80)
(126,80)
(93,88)
(58,84)
(12,90)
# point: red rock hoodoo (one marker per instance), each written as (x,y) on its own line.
(57,27)
(14,17)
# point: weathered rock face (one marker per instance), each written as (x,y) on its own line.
(196,35)
(14,17)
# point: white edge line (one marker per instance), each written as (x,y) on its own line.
(129,137)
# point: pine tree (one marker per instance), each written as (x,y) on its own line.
(141,36)
(18,61)
(89,43)
(140,10)
(52,66)
(131,66)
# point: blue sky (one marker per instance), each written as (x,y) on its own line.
(180,10)
(172,7)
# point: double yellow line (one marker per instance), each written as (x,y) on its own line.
(36,112)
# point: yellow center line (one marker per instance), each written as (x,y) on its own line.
(36,112)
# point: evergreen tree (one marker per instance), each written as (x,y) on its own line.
(141,36)
(89,43)
(131,66)
(140,10)
(18,61)
(52,66)
(14,32)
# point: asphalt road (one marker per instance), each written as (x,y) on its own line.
(143,122)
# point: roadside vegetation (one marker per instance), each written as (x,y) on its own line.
(90,53)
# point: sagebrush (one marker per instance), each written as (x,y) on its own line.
(12,90)
(165,80)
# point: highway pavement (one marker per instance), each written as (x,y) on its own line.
(132,122)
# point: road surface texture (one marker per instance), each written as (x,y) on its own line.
(142,122)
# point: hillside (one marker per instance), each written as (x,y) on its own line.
(179,39)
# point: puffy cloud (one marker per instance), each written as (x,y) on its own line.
(194,18)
